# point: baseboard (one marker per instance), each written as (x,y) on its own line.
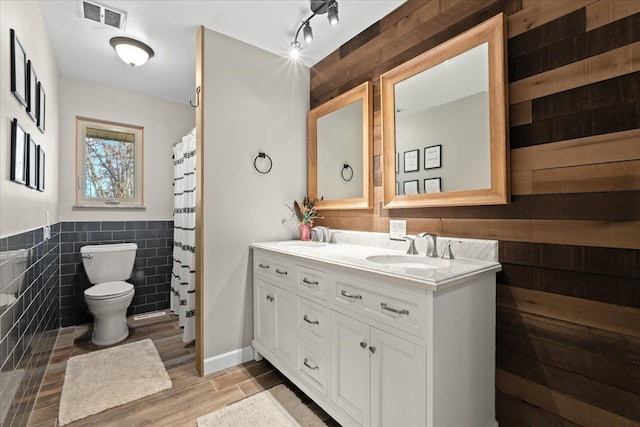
(227,360)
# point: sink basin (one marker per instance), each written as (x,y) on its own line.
(303,243)
(406,261)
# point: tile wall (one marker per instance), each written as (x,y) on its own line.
(151,274)
(29,318)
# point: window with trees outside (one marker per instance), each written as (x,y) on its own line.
(109,164)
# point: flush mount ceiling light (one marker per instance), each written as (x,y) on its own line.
(318,7)
(132,52)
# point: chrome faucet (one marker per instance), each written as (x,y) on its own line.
(321,233)
(433,249)
(412,245)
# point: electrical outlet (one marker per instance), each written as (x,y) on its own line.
(397,229)
(46,232)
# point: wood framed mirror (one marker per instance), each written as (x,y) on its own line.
(340,148)
(444,123)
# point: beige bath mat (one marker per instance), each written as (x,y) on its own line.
(104,379)
(276,407)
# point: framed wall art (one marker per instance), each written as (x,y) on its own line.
(410,187)
(18,69)
(32,163)
(42,102)
(433,185)
(32,92)
(411,160)
(40,168)
(433,157)
(19,140)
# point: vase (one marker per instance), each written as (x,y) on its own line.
(305,232)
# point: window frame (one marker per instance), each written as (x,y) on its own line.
(82,123)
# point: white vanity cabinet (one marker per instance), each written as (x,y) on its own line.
(376,349)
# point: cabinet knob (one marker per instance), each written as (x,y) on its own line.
(372,350)
(270,298)
(363,344)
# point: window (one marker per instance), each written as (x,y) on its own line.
(109,164)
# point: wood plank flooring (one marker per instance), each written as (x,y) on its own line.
(190,397)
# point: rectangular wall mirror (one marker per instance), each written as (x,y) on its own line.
(444,123)
(340,151)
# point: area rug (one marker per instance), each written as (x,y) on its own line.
(276,407)
(104,379)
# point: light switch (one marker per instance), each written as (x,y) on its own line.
(397,229)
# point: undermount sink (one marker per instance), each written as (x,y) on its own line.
(303,243)
(406,261)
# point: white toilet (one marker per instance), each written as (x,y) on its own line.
(108,266)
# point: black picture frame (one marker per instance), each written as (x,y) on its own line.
(433,185)
(410,187)
(41,164)
(433,157)
(32,163)
(42,102)
(411,160)
(19,140)
(18,69)
(32,91)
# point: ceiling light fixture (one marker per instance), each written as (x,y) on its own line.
(132,52)
(318,7)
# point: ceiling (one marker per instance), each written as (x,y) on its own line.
(82,49)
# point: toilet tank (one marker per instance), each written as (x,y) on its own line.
(108,263)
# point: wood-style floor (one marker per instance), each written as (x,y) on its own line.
(190,397)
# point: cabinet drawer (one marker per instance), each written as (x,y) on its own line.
(312,365)
(397,309)
(312,282)
(276,270)
(312,317)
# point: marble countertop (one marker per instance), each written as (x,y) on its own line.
(417,270)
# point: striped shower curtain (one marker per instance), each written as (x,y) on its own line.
(183,279)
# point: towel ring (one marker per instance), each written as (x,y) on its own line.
(342,173)
(262,156)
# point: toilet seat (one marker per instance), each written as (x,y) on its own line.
(108,290)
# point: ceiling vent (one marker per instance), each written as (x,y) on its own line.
(102,14)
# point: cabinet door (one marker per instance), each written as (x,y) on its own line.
(265,313)
(350,366)
(398,381)
(286,324)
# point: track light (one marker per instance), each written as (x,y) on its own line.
(307,33)
(332,13)
(294,52)
(318,7)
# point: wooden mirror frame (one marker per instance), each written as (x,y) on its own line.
(365,93)
(492,32)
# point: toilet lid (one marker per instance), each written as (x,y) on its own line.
(108,289)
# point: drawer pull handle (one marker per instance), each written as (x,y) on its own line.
(270,298)
(309,282)
(306,363)
(348,295)
(284,273)
(372,350)
(363,344)
(313,322)
(265,266)
(393,310)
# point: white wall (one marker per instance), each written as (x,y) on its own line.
(254,101)
(164,124)
(22,208)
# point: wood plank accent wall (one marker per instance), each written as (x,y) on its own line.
(568,298)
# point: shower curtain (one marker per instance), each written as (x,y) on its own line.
(183,279)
